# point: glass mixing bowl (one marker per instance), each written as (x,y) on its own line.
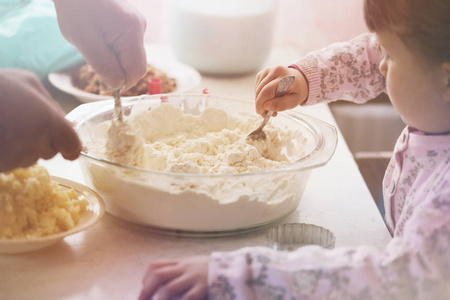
(198,203)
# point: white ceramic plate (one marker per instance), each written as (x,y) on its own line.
(186,77)
(95,210)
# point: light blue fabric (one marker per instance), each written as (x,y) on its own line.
(30,38)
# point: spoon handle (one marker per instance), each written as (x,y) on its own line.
(266,119)
(283,86)
(118,105)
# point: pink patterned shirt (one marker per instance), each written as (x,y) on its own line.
(416,262)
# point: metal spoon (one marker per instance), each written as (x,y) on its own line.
(118,105)
(258,133)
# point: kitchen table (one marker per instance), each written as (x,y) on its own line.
(108,260)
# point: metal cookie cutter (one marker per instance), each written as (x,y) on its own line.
(291,236)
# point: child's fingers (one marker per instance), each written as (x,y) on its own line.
(265,87)
(165,273)
(156,265)
(281,103)
(176,287)
(262,74)
(148,290)
(197,292)
(155,277)
(267,76)
(265,83)
(266,93)
(161,263)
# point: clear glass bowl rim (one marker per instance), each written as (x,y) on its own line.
(322,153)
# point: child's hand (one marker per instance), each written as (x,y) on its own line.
(185,279)
(32,125)
(266,84)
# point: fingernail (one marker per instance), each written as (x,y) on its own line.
(269,106)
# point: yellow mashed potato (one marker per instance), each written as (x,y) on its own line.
(32,205)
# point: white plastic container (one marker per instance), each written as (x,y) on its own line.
(222,37)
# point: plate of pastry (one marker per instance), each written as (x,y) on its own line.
(171,75)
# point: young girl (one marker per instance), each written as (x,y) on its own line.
(409,58)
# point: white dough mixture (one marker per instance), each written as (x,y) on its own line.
(164,138)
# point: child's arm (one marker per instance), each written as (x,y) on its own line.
(414,265)
(347,71)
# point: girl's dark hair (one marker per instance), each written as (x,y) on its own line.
(421,24)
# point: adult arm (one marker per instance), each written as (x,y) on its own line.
(109,34)
(32,125)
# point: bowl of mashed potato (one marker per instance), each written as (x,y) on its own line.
(182,163)
(38,210)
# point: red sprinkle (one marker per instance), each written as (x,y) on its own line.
(164,99)
(205,91)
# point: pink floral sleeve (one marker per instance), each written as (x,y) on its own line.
(344,71)
(413,266)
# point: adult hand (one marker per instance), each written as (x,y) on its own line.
(110,36)
(266,85)
(32,125)
(186,279)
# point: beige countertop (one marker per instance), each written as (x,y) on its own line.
(108,260)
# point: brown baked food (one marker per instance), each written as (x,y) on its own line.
(84,78)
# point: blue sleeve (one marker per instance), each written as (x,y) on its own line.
(30,38)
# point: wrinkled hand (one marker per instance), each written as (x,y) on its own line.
(266,85)
(110,36)
(32,125)
(185,279)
